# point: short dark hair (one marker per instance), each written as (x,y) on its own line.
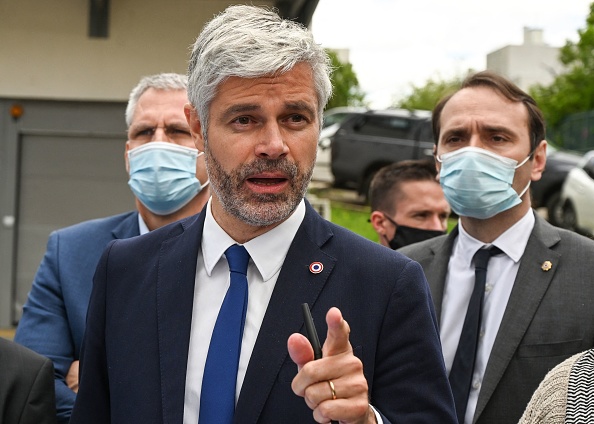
(507,89)
(385,185)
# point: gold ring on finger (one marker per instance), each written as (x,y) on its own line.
(331,384)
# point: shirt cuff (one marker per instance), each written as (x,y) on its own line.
(378,417)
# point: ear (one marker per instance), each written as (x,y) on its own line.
(378,220)
(195,126)
(126,157)
(437,163)
(539,160)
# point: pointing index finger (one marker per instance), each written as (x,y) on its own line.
(337,341)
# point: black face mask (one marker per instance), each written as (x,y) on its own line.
(409,235)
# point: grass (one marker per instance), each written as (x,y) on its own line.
(355,218)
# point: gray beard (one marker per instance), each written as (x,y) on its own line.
(257,209)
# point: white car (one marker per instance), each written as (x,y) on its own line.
(577,197)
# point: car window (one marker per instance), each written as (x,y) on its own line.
(384,126)
(333,119)
(426,132)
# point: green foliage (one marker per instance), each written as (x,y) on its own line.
(346,90)
(426,97)
(573,90)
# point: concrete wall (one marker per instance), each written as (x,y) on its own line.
(533,62)
(46,53)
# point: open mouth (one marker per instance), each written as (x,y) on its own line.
(267,181)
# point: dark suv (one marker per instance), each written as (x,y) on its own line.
(367,141)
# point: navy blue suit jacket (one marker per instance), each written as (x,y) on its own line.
(54,315)
(134,357)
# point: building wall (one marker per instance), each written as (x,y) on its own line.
(62,161)
(533,62)
(46,53)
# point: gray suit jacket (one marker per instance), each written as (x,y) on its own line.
(26,386)
(549,316)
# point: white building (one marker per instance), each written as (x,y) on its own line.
(533,62)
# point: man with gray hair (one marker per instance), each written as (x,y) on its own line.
(53,318)
(212,306)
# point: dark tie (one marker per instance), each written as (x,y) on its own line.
(217,399)
(463,365)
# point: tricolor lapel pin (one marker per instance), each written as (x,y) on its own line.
(316,267)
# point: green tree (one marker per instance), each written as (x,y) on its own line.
(346,90)
(573,90)
(425,97)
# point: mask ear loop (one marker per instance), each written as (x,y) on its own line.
(200,153)
(530,156)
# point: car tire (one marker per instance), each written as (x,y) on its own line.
(569,217)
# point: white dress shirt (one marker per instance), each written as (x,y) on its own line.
(267,253)
(142,225)
(501,274)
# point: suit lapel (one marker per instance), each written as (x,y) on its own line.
(295,285)
(529,288)
(435,267)
(175,296)
(127,228)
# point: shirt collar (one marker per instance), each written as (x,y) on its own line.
(267,251)
(142,225)
(512,242)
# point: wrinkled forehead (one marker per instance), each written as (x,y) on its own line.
(482,107)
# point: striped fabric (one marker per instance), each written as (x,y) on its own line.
(580,391)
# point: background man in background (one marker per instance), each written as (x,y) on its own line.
(167,176)
(504,321)
(160,302)
(407,203)
(26,386)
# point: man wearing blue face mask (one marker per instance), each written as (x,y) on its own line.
(168,179)
(513,294)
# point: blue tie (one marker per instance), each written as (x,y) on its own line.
(217,399)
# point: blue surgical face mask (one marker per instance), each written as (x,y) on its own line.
(478,183)
(163,176)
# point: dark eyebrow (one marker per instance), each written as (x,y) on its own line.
(491,129)
(459,132)
(240,108)
(300,107)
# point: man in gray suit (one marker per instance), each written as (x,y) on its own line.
(538,300)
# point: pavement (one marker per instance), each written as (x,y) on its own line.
(7,333)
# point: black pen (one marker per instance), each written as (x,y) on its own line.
(310,330)
(312,335)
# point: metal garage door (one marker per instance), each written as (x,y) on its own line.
(63,179)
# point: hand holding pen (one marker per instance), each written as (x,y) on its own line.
(334,386)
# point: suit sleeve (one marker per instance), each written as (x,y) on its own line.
(40,407)
(92,402)
(410,378)
(44,326)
